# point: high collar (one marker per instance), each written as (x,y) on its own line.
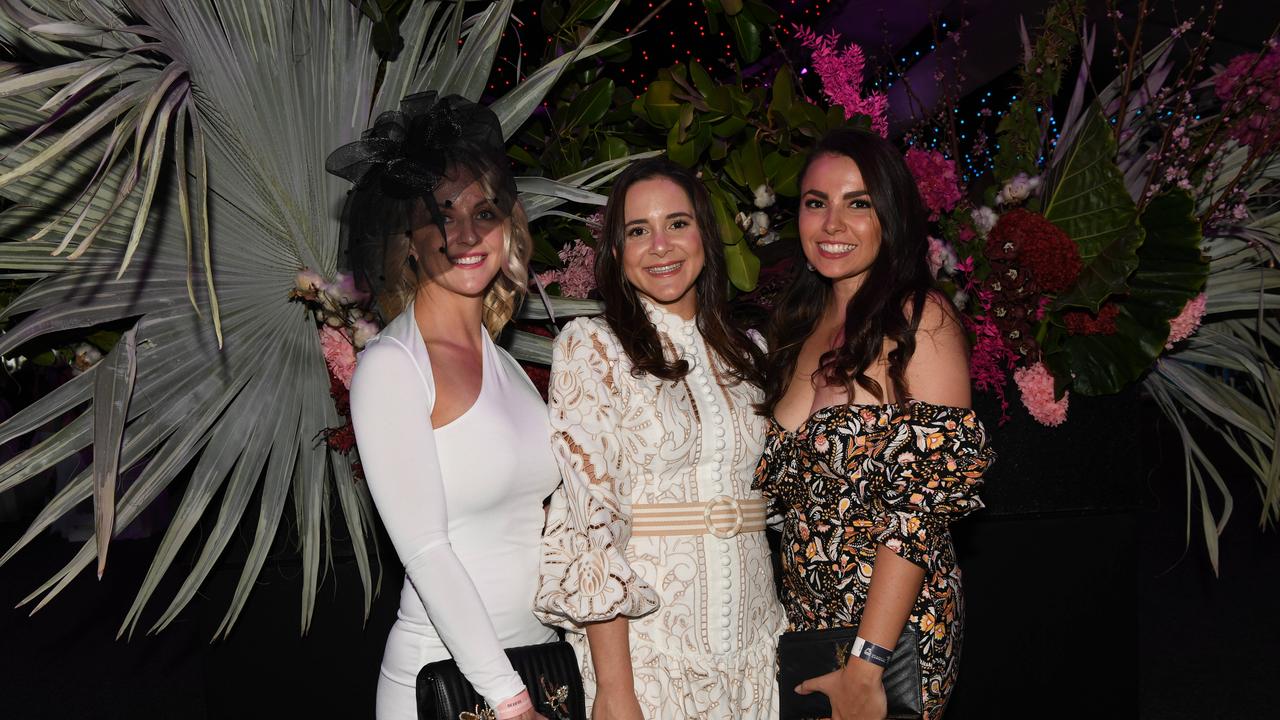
(682,332)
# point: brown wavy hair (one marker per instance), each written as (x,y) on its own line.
(623,310)
(889,303)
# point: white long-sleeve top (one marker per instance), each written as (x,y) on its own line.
(462,504)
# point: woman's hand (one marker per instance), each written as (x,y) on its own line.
(856,692)
(620,704)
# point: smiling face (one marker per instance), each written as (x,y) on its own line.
(839,229)
(662,252)
(473,256)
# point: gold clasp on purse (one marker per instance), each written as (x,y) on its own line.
(557,699)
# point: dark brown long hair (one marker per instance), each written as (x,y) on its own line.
(889,303)
(622,308)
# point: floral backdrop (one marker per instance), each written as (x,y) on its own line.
(1115,224)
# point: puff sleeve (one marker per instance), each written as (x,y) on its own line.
(934,457)
(391,403)
(584,574)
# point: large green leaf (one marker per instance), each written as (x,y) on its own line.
(742,264)
(1090,203)
(1170,272)
(590,105)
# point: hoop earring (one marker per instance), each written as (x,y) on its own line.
(808,266)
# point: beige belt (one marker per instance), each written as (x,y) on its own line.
(721,516)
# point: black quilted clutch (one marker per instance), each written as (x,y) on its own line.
(810,653)
(549,671)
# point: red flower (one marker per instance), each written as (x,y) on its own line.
(1038,245)
(1080,322)
(541,377)
(340,394)
(342,439)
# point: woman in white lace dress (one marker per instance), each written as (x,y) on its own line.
(654,555)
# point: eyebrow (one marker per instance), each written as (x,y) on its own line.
(847,196)
(672,216)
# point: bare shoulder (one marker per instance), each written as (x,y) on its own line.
(939,368)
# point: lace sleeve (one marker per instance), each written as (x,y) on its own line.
(934,460)
(584,574)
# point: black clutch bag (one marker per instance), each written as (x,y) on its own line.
(810,653)
(550,672)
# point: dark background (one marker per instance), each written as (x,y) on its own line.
(1086,594)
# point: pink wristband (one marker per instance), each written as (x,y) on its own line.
(513,706)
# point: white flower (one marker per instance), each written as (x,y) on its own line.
(960,299)
(1018,189)
(362,332)
(764,197)
(309,281)
(743,221)
(984,218)
(760,223)
(85,357)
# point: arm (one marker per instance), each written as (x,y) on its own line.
(391,411)
(586,579)
(915,516)
(611,658)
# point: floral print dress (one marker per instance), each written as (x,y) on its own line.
(704,614)
(853,477)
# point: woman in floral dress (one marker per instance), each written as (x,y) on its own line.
(872,449)
(654,556)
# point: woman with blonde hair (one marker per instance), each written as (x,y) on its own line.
(435,228)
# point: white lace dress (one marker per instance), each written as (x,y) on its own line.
(704,616)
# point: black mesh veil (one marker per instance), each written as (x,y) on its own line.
(396,167)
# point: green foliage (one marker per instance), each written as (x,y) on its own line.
(1020,133)
(1169,272)
(700,121)
(1090,203)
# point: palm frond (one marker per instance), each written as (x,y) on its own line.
(161,142)
(1225,379)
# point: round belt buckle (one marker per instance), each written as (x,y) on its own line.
(732,504)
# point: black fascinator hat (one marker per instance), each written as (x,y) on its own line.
(396,167)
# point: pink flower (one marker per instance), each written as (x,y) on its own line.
(842,76)
(343,290)
(578,278)
(1249,88)
(339,354)
(936,177)
(1036,384)
(941,257)
(990,359)
(595,224)
(1187,322)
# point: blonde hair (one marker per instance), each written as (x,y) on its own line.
(504,295)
